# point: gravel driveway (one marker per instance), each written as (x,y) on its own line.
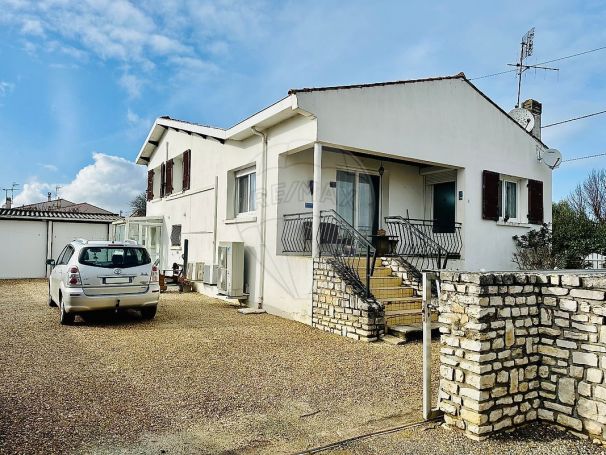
(200,378)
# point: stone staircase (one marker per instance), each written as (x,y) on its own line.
(403,305)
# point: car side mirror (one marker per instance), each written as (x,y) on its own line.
(50,262)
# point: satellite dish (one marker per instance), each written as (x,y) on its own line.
(551,158)
(524,117)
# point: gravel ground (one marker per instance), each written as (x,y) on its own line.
(201,378)
(537,439)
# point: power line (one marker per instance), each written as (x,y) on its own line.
(542,63)
(573,119)
(583,157)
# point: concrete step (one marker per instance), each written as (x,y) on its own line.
(405,332)
(384,281)
(393,340)
(398,311)
(400,300)
(377,272)
(407,318)
(389,292)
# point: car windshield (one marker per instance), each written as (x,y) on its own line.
(114,256)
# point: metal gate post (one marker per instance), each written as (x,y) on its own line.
(426,346)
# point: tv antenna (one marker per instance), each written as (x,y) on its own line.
(527,48)
(12,191)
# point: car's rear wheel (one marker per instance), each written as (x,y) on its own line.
(149,312)
(51,302)
(65,318)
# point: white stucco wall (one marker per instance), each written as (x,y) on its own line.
(64,232)
(439,122)
(288,280)
(26,244)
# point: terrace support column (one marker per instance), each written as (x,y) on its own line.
(317,195)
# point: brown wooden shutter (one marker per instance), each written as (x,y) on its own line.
(162,179)
(169,177)
(490,195)
(150,185)
(535,202)
(186,169)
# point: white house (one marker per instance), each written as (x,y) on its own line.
(434,162)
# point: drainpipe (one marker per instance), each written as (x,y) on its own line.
(263,229)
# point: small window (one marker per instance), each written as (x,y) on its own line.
(508,192)
(175,235)
(66,255)
(246,183)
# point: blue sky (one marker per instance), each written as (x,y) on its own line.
(81,82)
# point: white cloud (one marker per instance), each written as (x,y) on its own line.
(110,182)
(49,167)
(132,84)
(32,27)
(137,122)
(6,88)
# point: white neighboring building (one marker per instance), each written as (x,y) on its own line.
(432,149)
(595,261)
(30,237)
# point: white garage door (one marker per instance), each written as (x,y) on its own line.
(22,249)
(63,233)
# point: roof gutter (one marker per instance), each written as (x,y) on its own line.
(259,288)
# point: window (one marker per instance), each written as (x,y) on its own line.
(246,183)
(65,255)
(508,199)
(110,257)
(175,235)
(119,232)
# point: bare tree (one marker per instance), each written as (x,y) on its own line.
(139,205)
(590,196)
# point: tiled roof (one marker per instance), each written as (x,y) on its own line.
(63,205)
(18,213)
(375,84)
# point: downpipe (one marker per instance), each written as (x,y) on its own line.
(263,228)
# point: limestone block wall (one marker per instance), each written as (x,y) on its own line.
(336,309)
(523,346)
(489,351)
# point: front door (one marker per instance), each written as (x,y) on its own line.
(444,199)
(358,196)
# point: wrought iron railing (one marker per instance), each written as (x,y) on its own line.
(296,233)
(424,245)
(350,253)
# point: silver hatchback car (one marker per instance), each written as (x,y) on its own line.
(101,275)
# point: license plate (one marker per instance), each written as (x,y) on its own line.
(117,280)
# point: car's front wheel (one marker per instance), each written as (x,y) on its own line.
(149,312)
(65,318)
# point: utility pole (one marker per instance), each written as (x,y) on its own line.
(526,50)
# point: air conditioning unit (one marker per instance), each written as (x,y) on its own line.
(231,269)
(210,274)
(199,271)
(190,271)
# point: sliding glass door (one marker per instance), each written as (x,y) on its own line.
(358,196)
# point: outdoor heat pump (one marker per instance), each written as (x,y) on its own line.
(199,271)
(210,274)
(231,269)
